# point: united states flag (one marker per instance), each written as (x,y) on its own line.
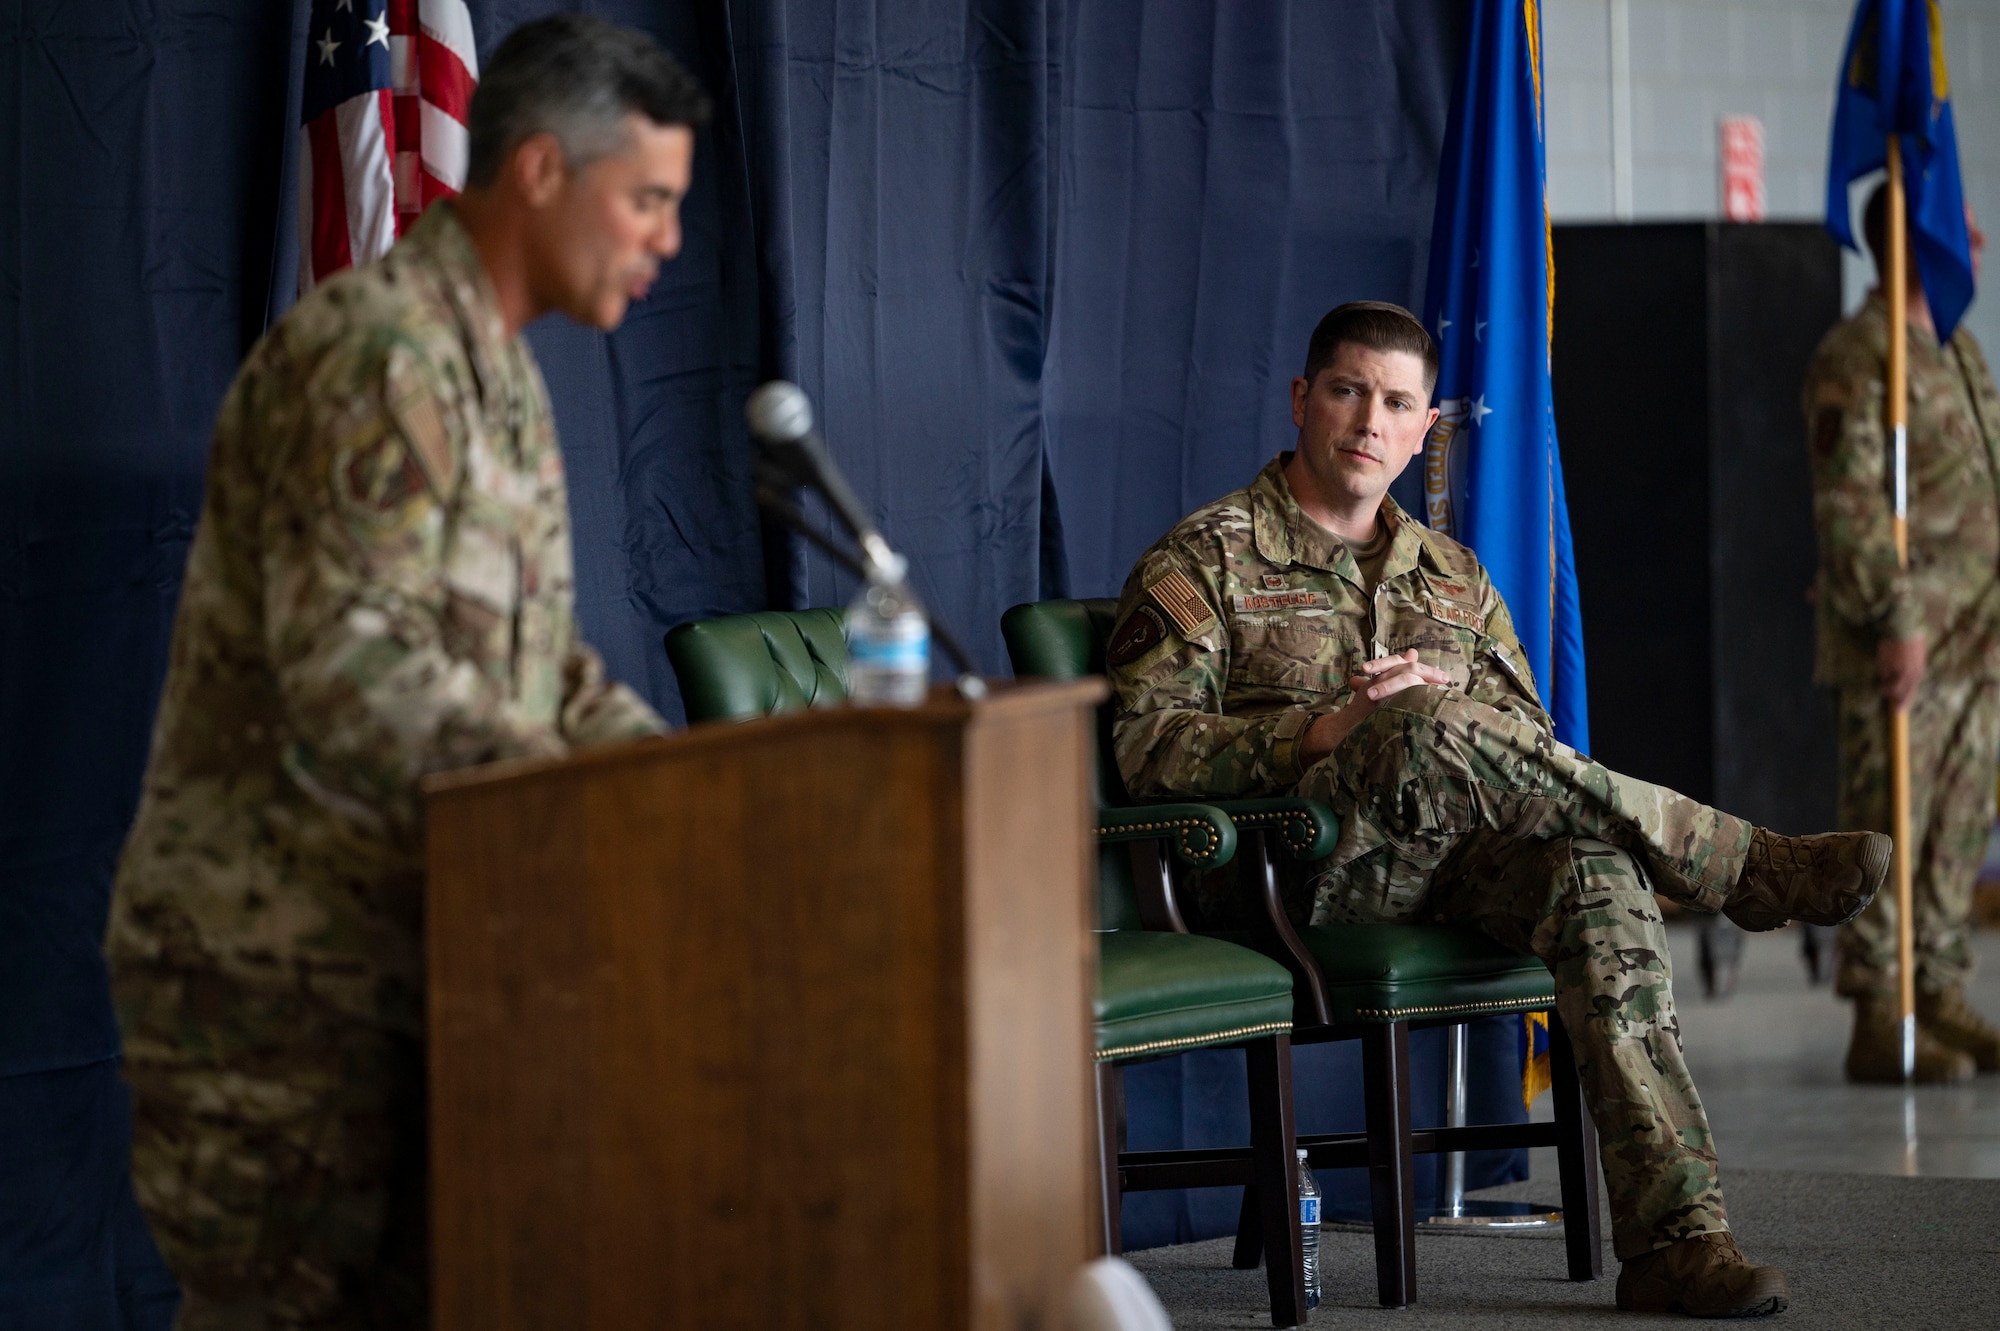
(388,88)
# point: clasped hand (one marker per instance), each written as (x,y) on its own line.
(1378,679)
(1900,663)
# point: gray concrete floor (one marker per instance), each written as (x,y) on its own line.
(1767,1062)
(1860,1252)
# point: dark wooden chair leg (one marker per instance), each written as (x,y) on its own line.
(1110,1140)
(1249,1232)
(1274,1167)
(1392,1196)
(1576,1159)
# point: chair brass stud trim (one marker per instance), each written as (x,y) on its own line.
(1453,1009)
(1192,1041)
(1185,830)
(1295,827)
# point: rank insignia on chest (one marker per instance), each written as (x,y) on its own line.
(1251,602)
(1464,617)
(1176,595)
(1274,582)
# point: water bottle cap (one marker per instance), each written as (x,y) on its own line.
(1302,1153)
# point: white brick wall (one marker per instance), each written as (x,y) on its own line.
(1694,61)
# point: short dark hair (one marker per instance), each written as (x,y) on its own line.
(1377,325)
(575,76)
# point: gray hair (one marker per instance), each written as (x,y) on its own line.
(575,76)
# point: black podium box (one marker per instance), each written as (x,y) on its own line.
(1679,353)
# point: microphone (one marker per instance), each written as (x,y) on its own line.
(791,453)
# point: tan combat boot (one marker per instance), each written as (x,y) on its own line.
(1876,1051)
(1702,1276)
(1824,879)
(1951,1021)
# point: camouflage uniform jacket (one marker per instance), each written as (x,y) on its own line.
(1247,619)
(379,588)
(1951,591)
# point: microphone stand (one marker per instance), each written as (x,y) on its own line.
(779,505)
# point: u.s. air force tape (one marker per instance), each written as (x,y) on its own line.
(1178,597)
(1463,616)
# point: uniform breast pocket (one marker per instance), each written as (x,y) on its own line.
(1308,657)
(1439,642)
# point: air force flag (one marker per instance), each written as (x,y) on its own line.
(1492,475)
(1894,78)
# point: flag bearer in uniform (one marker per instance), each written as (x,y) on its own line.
(379,588)
(1305,634)
(1927,638)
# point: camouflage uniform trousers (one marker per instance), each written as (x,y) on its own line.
(1464,815)
(278,1153)
(1954,754)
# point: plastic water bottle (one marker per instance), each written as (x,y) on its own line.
(1309,1229)
(888,643)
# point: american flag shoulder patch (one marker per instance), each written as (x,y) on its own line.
(1176,595)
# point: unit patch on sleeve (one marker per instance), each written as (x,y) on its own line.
(417,417)
(1464,617)
(1142,631)
(1291,600)
(1178,597)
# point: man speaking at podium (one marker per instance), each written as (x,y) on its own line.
(1304,634)
(380,588)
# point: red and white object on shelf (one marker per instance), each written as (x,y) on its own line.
(1742,169)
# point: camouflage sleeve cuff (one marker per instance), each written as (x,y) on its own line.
(1285,745)
(610,716)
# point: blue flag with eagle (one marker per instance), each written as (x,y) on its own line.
(1893,78)
(1492,474)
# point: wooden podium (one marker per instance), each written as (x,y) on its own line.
(784,1024)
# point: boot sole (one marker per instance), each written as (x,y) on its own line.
(1770,1307)
(1874,864)
(1766,1307)
(1875,861)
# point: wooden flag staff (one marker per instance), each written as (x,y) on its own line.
(1897,409)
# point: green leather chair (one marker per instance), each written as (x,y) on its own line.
(1160,990)
(1373,983)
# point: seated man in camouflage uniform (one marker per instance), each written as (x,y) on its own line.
(1306,635)
(380,588)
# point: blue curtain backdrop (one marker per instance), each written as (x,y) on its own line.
(1027,257)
